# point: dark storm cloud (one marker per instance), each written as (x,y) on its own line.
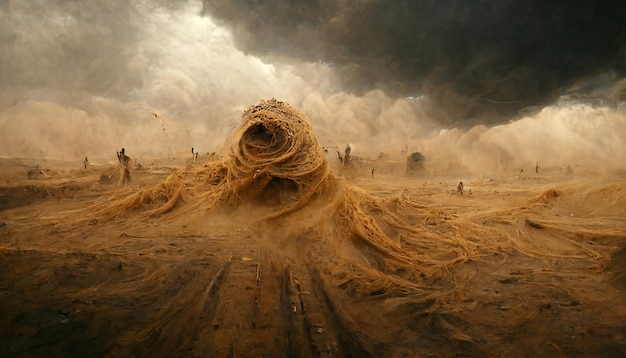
(68,45)
(475,60)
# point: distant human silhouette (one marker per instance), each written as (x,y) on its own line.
(124,171)
(459,188)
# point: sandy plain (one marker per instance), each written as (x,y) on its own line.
(391,265)
(273,248)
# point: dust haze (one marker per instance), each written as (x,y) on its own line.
(270,238)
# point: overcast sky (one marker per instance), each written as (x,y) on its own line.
(460,78)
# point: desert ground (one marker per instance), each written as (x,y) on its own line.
(174,263)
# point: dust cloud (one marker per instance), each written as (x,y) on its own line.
(160,78)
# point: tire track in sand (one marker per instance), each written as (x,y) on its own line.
(186,312)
